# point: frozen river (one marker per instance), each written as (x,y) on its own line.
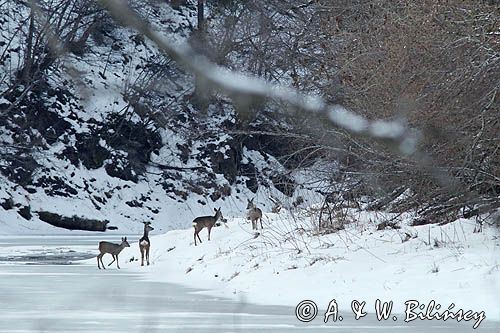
(43,288)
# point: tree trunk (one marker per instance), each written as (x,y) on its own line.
(201,17)
(29,54)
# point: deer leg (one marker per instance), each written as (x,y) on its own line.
(98,265)
(117,262)
(112,261)
(209,230)
(102,263)
(197,234)
(142,255)
(147,254)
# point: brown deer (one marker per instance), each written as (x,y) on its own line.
(206,222)
(254,214)
(144,243)
(113,249)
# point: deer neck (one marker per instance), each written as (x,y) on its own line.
(146,233)
(121,247)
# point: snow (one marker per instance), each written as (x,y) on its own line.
(288,263)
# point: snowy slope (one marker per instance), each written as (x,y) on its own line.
(82,93)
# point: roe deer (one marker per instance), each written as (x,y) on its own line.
(277,204)
(144,242)
(206,222)
(254,214)
(113,249)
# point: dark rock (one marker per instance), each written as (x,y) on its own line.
(51,126)
(38,114)
(19,168)
(134,203)
(25,212)
(99,199)
(227,164)
(249,170)
(54,185)
(168,187)
(90,152)
(128,147)
(120,167)
(71,154)
(30,189)
(136,139)
(7,204)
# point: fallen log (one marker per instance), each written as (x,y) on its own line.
(73,222)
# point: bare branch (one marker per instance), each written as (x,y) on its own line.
(244,89)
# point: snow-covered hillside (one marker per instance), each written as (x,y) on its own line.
(117,137)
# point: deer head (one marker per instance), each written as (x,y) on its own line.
(148,227)
(250,204)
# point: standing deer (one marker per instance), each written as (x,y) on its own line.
(254,214)
(144,242)
(206,222)
(113,249)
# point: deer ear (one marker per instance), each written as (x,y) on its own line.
(125,239)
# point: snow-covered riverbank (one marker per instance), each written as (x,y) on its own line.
(287,263)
